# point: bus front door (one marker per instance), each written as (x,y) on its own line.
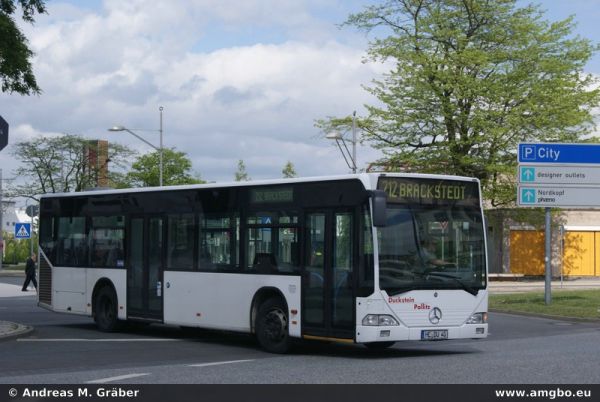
(327,296)
(144,277)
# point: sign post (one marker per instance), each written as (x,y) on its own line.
(557,175)
(3,143)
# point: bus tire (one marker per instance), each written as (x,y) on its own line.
(106,310)
(379,345)
(272,326)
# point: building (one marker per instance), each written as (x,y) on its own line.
(11,215)
(520,249)
(96,156)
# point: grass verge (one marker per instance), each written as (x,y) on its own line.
(573,304)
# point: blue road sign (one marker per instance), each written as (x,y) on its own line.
(527,195)
(22,230)
(559,153)
(527,174)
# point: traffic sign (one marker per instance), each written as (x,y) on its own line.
(559,153)
(22,230)
(3,133)
(559,174)
(573,168)
(558,196)
(32,210)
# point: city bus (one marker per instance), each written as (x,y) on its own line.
(368,258)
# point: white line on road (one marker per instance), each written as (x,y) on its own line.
(117,378)
(219,363)
(98,340)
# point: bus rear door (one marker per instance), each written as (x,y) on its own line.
(145,270)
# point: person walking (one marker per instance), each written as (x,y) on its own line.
(30,273)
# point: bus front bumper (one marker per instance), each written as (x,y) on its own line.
(365,334)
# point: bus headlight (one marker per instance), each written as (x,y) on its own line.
(477,318)
(382,320)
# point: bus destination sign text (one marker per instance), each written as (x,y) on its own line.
(269,195)
(409,190)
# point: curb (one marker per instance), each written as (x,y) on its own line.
(11,273)
(15,330)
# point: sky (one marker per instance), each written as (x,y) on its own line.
(238,79)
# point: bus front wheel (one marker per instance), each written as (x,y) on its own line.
(106,313)
(379,345)
(272,326)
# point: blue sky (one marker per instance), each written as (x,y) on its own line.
(587,16)
(238,79)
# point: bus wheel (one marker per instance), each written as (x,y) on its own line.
(106,314)
(379,345)
(272,326)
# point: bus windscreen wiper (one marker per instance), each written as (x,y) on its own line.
(463,285)
(399,291)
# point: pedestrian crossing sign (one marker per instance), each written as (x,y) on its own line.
(22,230)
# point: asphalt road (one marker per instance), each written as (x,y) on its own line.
(68,349)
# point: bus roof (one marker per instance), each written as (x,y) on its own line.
(369,181)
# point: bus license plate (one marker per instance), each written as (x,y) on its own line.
(434,334)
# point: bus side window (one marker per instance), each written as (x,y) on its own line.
(218,242)
(265,263)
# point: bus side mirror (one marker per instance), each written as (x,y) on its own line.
(379,198)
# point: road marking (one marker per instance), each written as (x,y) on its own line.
(98,340)
(219,363)
(117,378)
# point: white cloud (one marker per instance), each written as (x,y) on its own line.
(255,101)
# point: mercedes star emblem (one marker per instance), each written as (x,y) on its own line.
(435,315)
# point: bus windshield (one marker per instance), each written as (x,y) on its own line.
(427,247)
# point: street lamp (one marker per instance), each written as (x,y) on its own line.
(159,148)
(350,158)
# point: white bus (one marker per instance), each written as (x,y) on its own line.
(366,258)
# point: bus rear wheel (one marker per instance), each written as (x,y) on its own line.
(272,326)
(379,345)
(106,313)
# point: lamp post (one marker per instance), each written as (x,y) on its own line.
(159,148)
(350,158)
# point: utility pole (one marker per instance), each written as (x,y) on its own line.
(1,224)
(354,142)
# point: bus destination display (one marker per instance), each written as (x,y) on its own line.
(428,191)
(271,195)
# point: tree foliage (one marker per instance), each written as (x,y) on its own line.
(59,164)
(289,171)
(145,171)
(16,73)
(18,250)
(470,80)
(241,174)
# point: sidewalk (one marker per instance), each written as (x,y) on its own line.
(11,329)
(527,285)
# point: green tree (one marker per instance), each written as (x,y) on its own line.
(145,171)
(60,165)
(241,174)
(289,171)
(470,80)
(18,250)
(16,73)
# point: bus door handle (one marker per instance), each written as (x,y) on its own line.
(159,288)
